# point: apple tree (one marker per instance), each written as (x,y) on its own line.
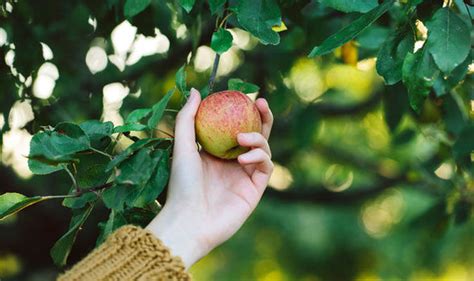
(369,97)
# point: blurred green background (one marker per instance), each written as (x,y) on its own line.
(363,187)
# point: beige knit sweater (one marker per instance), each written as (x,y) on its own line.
(130,253)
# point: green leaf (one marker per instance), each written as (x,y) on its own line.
(455,115)
(351,31)
(158,109)
(180,79)
(395,105)
(347,6)
(448,39)
(115,197)
(129,151)
(134,7)
(465,143)
(98,132)
(391,55)
(137,115)
(137,169)
(139,216)
(60,144)
(239,85)
(61,249)
(216,5)
(148,192)
(418,73)
(373,37)
(221,41)
(11,203)
(258,17)
(187,4)
(116,220)
(130,127)
(91,170)
(79,202)
(444,84)
(55,147)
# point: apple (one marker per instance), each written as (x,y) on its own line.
(220,117)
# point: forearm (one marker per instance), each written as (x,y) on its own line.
(180,236)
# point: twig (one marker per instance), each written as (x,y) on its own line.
(73,179)
(101,152)
(214,72)
(164,132)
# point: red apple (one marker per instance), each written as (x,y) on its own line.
(220,117)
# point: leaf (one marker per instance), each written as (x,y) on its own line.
(158,109)
(137,115)
(91,170)
(136,170)
(115,220)
(130,127)
(347,6)
(129,151)
(37,167)
(391,55)
(373,37)
(444,84)
(351,31)
(258,17)
(148,192)
(395,105)
(181,79)
(115,197)
(61,249)
(464,145)
(448,39)
(187,5)
(216,5)
(79,202)
(55,147)
(60,144)
(418,74)
(221,41)
(239,85)
(280,27)
(11,203)
(134,7)
(98,132)
(139,216)
(455,115)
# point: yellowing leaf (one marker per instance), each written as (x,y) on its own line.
(279,28)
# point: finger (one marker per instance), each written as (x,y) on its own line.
(266,115)
(185,140)
(254,140)
(263,167)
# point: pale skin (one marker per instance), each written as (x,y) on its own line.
(209,199)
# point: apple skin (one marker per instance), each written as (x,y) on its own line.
(220,117)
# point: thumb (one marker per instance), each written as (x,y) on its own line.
(185,140)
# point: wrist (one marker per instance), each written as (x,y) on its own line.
(180,235)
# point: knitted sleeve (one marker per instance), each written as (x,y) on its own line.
(130,253)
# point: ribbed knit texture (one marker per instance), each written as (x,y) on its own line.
(130,253)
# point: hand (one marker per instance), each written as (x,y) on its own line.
(209,199)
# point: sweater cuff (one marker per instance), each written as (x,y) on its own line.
(130,253)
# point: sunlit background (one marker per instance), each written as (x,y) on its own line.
(98,65)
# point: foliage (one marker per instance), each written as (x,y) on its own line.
(337,126)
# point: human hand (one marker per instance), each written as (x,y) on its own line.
(209,198)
